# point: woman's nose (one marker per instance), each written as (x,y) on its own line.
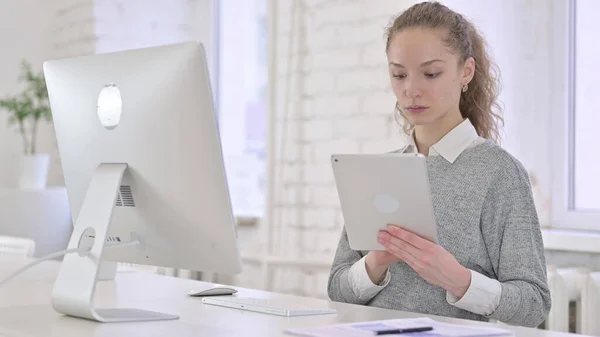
(412,90)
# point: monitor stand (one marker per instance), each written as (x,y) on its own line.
(73,292)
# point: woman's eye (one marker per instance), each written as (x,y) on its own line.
(400,76)
(432,75)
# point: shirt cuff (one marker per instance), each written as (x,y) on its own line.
(482,296)
(361,283)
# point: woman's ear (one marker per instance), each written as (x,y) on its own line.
(468,70)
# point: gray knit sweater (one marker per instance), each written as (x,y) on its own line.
(487,219)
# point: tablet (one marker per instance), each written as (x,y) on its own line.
(380,189)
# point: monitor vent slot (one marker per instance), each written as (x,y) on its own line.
(125,197)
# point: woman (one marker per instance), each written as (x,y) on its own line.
(490,262)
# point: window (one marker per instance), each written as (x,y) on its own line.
(585,193)
(242,90)
(578,194)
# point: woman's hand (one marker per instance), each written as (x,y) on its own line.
(431,261)
(377,263)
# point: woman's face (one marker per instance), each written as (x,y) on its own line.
(426,76)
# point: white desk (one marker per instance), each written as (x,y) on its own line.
(25,309)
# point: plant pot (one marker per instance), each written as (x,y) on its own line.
(33,171)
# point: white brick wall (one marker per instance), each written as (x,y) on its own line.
(73,23)
(345,106)
(335,105)
(317,174)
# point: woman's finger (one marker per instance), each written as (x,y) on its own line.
(405,246)
(411,238)
(400,253)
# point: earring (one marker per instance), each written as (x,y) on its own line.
(465,88)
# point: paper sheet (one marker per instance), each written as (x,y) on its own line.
(368,329)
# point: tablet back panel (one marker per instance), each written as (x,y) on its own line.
(380,189)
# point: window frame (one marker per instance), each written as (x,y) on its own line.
(564,216)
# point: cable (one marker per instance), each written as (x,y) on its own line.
(61,253)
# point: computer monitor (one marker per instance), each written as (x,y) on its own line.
(142,160)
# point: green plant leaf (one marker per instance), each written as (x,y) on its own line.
(31,104)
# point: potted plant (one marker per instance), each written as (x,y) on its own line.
(25,111)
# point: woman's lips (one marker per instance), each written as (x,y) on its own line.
(416,109)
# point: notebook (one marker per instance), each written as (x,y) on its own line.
(371,328)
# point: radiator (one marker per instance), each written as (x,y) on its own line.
(578,285)
(590,305)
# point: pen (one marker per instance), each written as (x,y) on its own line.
(407,330)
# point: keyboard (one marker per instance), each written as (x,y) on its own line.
(267,306)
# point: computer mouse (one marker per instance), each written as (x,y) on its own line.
(214,291)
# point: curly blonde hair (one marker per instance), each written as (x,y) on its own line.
(479,103)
